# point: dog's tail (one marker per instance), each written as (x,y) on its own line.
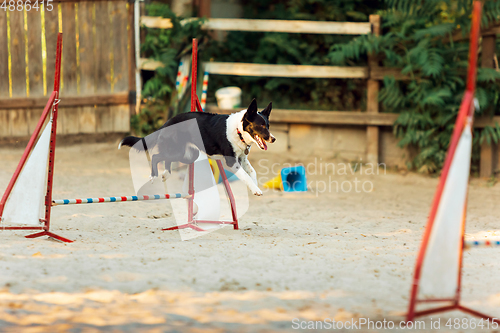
(131,141)
(148,142)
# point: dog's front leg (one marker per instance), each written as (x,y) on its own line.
(250,170)
(243,175)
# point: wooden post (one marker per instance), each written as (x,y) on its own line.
(131,59)
(488,159)
(372,132)
(203,8)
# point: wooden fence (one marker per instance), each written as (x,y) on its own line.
(371,119)
(97,66)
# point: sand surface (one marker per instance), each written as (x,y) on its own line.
(300,255)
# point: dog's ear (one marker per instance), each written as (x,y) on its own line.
(267,111)
(251,110)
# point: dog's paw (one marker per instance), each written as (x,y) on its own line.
(257,192)
(152,179)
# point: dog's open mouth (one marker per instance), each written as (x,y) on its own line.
(260,142)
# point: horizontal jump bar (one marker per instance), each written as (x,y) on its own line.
(482,243)
(119,199)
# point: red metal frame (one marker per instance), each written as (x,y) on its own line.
(196,106)
(51,104)
(27,151)
(465,114)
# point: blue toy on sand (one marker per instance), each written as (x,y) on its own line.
(292,179)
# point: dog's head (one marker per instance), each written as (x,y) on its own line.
(256,124)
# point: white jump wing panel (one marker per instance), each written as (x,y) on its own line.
(206,193)
(441,263)
(25,204)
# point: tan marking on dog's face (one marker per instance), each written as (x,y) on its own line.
(256,124)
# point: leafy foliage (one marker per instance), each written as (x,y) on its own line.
(418,38)
(288,48)
(167,46)
(151,117)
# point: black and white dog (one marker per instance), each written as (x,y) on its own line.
(226,137)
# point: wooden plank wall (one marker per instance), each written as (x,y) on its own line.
(95,63)
(4,71)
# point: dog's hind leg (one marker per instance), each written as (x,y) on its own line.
(167,172)
(155,159)
(191,154)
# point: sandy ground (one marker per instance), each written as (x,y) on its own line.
(311,256)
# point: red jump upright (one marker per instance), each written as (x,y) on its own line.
(52,105)
(433,233)
(196,106)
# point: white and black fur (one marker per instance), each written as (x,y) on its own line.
(226,137)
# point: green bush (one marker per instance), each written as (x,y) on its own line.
(417,37)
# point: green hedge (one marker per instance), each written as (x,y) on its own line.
(416,36)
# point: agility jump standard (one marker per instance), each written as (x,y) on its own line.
(438,270)
(24,202)
(52,104)
(192,223)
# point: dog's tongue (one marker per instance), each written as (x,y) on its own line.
(264,143)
